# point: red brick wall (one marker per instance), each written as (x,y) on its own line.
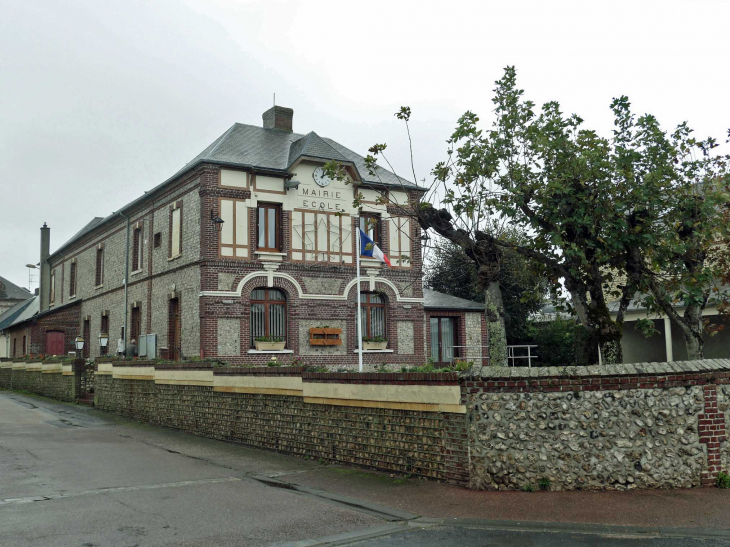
(66,320)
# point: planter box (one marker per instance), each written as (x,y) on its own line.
(374,345)
(325,337)
(269,346)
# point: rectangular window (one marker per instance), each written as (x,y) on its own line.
(370,225)
(268,314)
(269,227)
(233,238)
(72,280)
(87,339)
(135,328)
(176,232)
(25,352)
(399,232)
(158,240)
(443,339)
(104,330)
(52,299)
(99,280)
(372,311)
(137,250)
(15,347)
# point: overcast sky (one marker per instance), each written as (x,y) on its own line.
(100,100)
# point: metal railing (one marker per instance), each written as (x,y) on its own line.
(511,357)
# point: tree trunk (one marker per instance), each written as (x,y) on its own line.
(692,330)
(495,324)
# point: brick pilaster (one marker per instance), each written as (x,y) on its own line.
(712,433)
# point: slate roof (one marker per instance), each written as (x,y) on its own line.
(32,308)
(273,150)
(434,300)
(276,150)
(10,291)
(7,318)
(313,146)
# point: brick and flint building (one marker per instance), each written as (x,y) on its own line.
(281,263)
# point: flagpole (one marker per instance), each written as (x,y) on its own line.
(359,313)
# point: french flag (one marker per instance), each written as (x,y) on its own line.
(369,248)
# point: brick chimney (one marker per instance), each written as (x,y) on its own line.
(45,285)
(278,117)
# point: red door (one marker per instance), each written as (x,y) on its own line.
(55,343)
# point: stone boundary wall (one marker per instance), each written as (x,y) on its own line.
(419,429)
(646,425)
(54,379)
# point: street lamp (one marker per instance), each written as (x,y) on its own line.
(31,267)
(103,342)
(79,345)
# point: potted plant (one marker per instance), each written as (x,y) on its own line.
(374,342)
(269,343)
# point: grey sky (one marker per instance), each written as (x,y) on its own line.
(100,101)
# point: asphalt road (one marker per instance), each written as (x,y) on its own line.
(72,476)
(480,537)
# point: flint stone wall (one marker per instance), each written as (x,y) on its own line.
(6,378)
(617,427)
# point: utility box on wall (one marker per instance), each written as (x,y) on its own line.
(148,346)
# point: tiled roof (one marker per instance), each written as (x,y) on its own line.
(440,301)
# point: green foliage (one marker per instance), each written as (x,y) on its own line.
(374,339)
(639,211)
(544,484)
(528,487)
(429,367)
(523,285)
(646,327)
(723,480)
(269,339)
(460,365)
(559,341)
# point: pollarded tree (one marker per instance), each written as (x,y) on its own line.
(597,209)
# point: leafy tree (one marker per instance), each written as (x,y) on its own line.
(676,236)
(607,218)
(451,271)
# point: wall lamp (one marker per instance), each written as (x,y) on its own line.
(217,221)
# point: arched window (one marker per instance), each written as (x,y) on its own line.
(268,314)
(373,314)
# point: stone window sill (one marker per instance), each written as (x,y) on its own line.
(270,255)
(374,351)
(272,351)
(99,286)
(136,272)
(174,257)
(72,297)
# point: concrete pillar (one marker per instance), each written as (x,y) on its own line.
(668,339)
